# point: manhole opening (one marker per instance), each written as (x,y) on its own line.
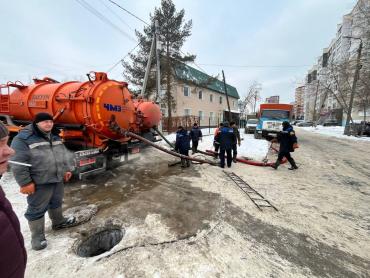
(99,243)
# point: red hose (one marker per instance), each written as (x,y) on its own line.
(250,162)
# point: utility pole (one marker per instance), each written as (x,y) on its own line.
(227,98)
(255,101)
(353,89)
(147,69)
(157,49)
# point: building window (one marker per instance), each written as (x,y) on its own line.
(234,104)
(325,58)
(211,98)
(186,91)
(211,115)
(309,78)
(220,100)
(187,112)
(200,95)
(201,115)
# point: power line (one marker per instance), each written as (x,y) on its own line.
(95,12)
(116,15)
(256,66)
(130,13)
(121,60)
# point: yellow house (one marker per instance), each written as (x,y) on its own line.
(201,96)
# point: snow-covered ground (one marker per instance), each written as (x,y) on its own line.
(335,131)
(310,236)
(250,147)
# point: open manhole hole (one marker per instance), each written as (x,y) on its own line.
(99,242)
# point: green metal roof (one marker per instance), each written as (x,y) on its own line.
(189,74)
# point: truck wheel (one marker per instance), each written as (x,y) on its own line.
(257,135)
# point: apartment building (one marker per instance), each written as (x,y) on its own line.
(273,99)
(299,103)
(322,97)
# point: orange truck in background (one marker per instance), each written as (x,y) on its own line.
(270,118)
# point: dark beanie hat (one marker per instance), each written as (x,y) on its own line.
(3,130)
(42,117)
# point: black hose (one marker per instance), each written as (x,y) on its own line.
(133,135)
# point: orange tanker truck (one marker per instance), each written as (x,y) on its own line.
(88,114)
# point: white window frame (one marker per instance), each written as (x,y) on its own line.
(188,91)
(201,115)
(211,115)
(200,94)
(189,110)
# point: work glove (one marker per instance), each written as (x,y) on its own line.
(67,176)
(274,140)
(295,146)
(28,189)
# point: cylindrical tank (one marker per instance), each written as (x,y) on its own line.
(149,113)
(91,103)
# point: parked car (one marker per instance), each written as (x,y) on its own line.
(357,127)
(296,122)
(251,125)
(330,123)
(367,129)
(308,123)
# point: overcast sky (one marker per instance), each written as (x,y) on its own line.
(272,41)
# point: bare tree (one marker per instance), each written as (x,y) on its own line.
(363,99)
(337,82)
(253,95)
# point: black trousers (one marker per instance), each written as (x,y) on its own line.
(235,151)
(229,158)
(194,146)
(46,196)
(217,146)
(183,160)
(281,155)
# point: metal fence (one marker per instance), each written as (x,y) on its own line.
(170,125)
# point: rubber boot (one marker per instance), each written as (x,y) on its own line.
(187,163)
(294,166)
(37,228)
(234,158)
(183,163)
(276,165)
(59,221)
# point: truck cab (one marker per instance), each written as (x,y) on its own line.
(271,117)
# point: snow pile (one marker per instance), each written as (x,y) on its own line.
(334,131)
(250,147)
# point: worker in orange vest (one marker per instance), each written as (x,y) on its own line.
(216,144)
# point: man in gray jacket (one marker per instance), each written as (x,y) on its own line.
(39,144)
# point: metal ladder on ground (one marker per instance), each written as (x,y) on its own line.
(255,197)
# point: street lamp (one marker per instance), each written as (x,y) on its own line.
(353,89)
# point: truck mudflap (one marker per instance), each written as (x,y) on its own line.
(88,162)
(94,161)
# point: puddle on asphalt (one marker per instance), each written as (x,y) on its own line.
(120,184)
